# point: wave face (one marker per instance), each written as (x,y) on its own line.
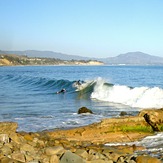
(142,97)
(99,89)
(39,82)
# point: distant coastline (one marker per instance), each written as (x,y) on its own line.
(17,60)
(33,57)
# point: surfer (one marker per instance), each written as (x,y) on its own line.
(79,82)
(62,91)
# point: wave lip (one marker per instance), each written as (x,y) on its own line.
(141,97)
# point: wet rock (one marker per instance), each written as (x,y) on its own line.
(123,113)
(8,127)
(70,157)
(84,110)
(148,159)
(153,117)
(152,124)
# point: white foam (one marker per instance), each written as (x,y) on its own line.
(152,143)
(142,97)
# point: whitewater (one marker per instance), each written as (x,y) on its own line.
(141,97)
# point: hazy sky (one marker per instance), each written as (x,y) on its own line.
(94,28)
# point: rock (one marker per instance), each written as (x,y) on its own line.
(46,160)
(147,159)
(8,127)
(130,158)
(99,161)
(92,152)
(152,124)
(28,158)
(34,161)
(81,152)
(14,137)
(57,150)
(27,148)
(70,157)
(131,161)
(123,113)
(84,110)
(7,160)
(5,150)
(4,138)
(18,156)
(156,115)
(121,159)
(28,137)
(54,159)
(113,156)
(40,143)
(153,117)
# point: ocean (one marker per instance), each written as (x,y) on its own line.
(28,94)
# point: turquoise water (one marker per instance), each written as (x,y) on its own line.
(28,94)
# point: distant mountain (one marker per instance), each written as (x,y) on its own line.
(134,58)
(131,58)
(45,54)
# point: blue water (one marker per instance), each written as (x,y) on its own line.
(28,94)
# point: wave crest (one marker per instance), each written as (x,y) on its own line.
(142,97)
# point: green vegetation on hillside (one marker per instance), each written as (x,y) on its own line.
(11,59)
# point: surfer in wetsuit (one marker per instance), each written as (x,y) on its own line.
(62,91)
(79,82)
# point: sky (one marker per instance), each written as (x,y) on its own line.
(91,28)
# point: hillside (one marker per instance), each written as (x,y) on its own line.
(131,58)
(45,54)
(12,60)
(134,58)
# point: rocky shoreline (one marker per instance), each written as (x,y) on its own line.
(84,144)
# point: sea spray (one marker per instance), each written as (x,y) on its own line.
(141,97)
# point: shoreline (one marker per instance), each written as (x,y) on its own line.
(14,60)
(83,144)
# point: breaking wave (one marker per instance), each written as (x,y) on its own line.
(99,89)
(141,97)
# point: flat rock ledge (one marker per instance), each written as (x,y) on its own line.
(83,144)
